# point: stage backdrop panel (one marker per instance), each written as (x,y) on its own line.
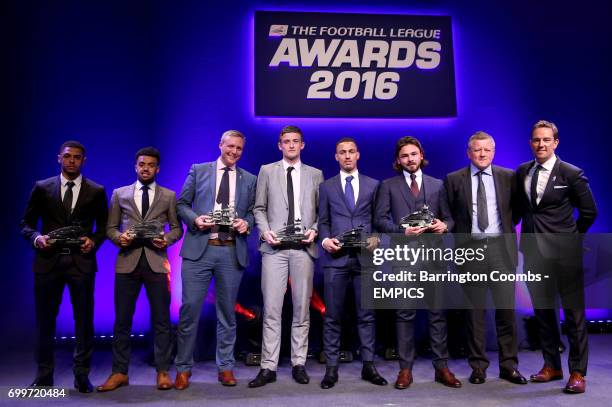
(353,65)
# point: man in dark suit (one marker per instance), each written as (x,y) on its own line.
(398,197)
(481,198)
(142,261)
(346,201)
(214,250)
(65,200)
(550,191)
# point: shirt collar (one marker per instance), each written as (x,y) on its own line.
(221,166)
(344,174)
(475,170)
(140,184)
(77,181)
(297,165)
(548,164)
(418,173)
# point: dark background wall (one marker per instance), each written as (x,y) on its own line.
(121,75)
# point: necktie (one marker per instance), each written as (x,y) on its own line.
(291,215)
(481,204)
(145,200)
(534,186)
(67,201)
(414,187)
(349,194)
(224,189)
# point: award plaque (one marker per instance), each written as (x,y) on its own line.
(146,230)
(421,218)
(222,217)
(351,239)
(291,233)
(67,236)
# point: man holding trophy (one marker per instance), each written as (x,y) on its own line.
(138,215)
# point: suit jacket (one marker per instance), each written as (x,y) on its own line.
(271,204)
(123,214)
(335,217)
(45,204)
(458,186)
(567,189)
(198,198)
(394,201)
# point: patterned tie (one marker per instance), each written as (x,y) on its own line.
(291,215)
(67,201)
(481,204)
(534,186)
(414,187)
(349,194)
(145,200)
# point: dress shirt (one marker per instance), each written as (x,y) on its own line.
(138,194)
(295,177)
(354,182)
(495,226)
(543,177)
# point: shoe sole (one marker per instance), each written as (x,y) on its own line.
(114,388)
(552,379)
(447,385)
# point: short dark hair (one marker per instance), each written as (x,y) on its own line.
(548,125)
(404,141)
(291,129)
(347,140)
(149,152)
(73,144)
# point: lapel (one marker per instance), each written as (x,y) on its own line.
(405,190)
(238,193)
(155,199)
(56,191)
(281,179)
(467,192)
(362,191)
(212,183)
(129,196)
(82,193)
(338,185)
(304,181)
(497,184)
(551,180)
(523,177)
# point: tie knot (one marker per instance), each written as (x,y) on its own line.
(349,179)
(413,176)
(144,187)
(480,173)
(289,169)
(70,184)
(226,169)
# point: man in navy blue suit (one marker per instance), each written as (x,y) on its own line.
(212,250)
(346,202)
(397,197)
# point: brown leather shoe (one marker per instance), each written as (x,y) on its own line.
(404,379)
(576,383)
(114,381)
(447,378)
(182,380)
(546,374)
(227,378)
(164,382)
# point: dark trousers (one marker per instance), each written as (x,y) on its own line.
(127,289)
(406,339)
(496,258)
(566,281)
(337,280)
(48,292)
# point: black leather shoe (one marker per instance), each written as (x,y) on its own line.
(44,381)
(513,376)
(478,376)
(330,378)
(370,374)
(264,377)
(82,384)
(299,374)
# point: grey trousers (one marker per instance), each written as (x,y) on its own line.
(276,269)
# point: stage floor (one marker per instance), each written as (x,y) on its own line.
(18,371)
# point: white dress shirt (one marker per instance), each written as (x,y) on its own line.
(354,182)
(419,178)
(295,177)
(232,184)
(76,188)
(138,194)
(543,177)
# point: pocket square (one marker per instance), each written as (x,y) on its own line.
(560,186)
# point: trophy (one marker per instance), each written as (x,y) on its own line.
(291,233)
(351,238)
(67,236)
(150,229)
(222,217)
(421,218)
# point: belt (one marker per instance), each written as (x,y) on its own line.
(67,251)
(290,246)
(219,242)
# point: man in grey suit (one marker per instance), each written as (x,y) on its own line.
(211,249)
(287,190)
(142,261)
